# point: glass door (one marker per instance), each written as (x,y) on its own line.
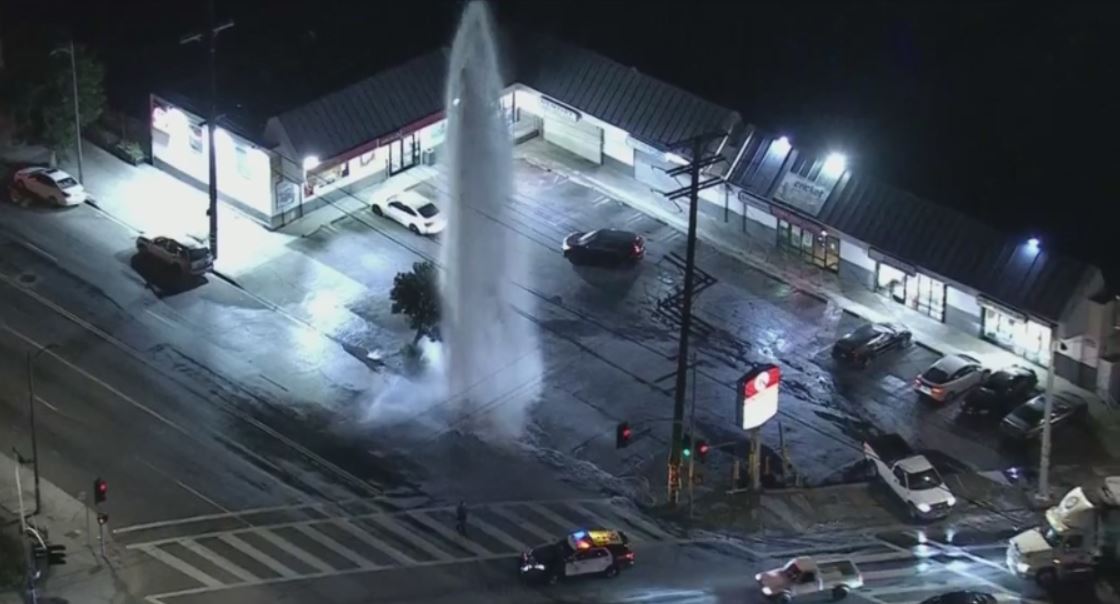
(403,154)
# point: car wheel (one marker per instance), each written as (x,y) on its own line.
(839,592)
(906,340)
(612,571)
(413,228)
(377,210)
(785,598)
(1046,578)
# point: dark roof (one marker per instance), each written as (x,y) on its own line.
(370,109)
(948,243)
(650,110)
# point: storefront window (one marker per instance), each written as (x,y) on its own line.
(891,282)
(919,292)
(815,247)
(1026,338)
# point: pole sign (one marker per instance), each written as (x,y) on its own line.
(757,396)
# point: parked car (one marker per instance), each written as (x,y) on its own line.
(604,247)
(951,376)
(414,211)
(48,184)
(910,476)
(962,597)
(869,342)
(188,257)
(1000,392)
(1025,421)
(802,578)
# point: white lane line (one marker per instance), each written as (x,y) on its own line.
(161,318)
(39,250)
(182,566)
(565,525)
(529,527)
(335,546)
(499,534)
(250,550)
(42,400)
(449,534)
(219,561)
(972,577)
(187,488)
(245,512)
(629,518)
(409,536)
(375,543)
(296,552)
(952,549)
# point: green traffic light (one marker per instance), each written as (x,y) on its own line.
(686,452)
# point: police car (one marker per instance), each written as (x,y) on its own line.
(584,552)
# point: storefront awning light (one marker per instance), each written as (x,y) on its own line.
(1033,243)
(780,146)
(834,165)
(310,162)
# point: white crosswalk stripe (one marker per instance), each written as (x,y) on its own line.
(272,563)
(313,547)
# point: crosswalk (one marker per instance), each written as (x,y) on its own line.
(322,547)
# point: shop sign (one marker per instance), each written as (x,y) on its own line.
(558,109)
(757,396)
(286,192)
(802,193)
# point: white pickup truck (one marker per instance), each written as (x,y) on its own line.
(910,476)
(802,579)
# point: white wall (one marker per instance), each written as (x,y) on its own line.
(762,217)
(244,170)
(857,255)
(614,144)
(962,300)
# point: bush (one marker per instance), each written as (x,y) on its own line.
(131,152)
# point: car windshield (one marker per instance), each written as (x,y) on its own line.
(791,571)
(1029,413)
(428,210)
(198,253)
(66,183)
(863,334)
(1000,380)
(587,237)
(935,375)
(924,480)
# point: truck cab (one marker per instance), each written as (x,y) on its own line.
(909,476)
(1080,536)
(803,579)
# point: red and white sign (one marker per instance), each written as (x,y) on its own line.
(758,396)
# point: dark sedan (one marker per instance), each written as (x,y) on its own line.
(1000,393)
(1025,421)
(962,597)
(604,247)
(870,341)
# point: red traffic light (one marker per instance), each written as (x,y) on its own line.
(702,448)
(100,490)
(622,435)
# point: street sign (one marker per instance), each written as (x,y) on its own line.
(757,396)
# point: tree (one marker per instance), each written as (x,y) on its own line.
(415,294)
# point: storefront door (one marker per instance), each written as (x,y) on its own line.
(926,295)
(814,247)
(403,154)
(891,282)
(1026,338)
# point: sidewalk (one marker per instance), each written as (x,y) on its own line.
(755,245)
(86,578)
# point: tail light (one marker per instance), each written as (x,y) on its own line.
(629,556)
(638,247)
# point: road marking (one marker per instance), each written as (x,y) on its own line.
(301,555)
(38,250)
(182,566)
(991,585)
(952,549)
(250,550)
(235,513)
(564,524)
(335,546)
(47,404)
(499,534)
(375,543)
(521,522)
(161,318)
(449,534)
(219,561)
(187,488)
(409,536)
(634,519)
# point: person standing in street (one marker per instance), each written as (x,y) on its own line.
(461,518)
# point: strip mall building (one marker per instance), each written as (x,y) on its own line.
(1046,308)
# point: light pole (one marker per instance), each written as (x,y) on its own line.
(211,37)
(31,357)
(77,110)
(1048,409)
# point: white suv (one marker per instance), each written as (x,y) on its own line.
(50,185)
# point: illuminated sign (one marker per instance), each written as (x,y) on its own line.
(802,193)
(757,396)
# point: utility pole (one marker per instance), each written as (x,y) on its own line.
(1043,496)
(211,36)
(77,111)
(692,191)
(31,357)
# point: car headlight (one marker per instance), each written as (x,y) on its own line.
(538,567)
(766,591)
(951,500)
(1022,567)
(923,507)
(758,577)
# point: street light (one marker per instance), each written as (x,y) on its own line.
(31,357)
(77,119)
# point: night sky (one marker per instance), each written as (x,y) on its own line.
(1006,111)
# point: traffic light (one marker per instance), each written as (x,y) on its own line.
(56,554)
(702,448)
(100,490)
(686,446)
(622,435)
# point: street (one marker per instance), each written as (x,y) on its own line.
(237,421)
